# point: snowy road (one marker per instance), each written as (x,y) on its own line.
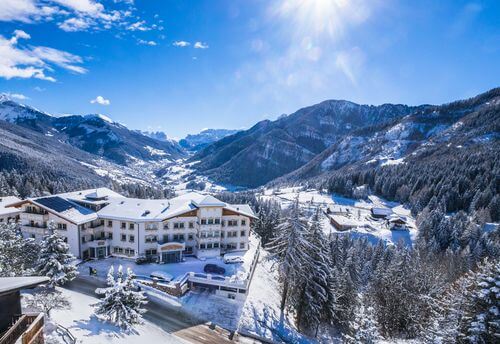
(171,321)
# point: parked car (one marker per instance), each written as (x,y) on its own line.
(214,269)
(229,259)
(162,276)
(142,260)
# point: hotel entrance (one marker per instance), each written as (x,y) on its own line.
(171,257)
(171,252)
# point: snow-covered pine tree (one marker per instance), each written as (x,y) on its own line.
(364,327)
(17,255)
(483,325)
(288,248)
(314,295)
(55,260)
(121,305)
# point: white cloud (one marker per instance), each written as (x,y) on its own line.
(75,15)
(100,100)
(200,45)
(17,96)
(139,26)
(143,42)
(17,10)
(181,44)
(74,24)
(60,58)
(33,62)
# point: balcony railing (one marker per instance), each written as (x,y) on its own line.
(36,212)
(27,327)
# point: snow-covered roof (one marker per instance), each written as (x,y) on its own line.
(381,211)
(92,196)
(66,209)
(11,284)
(209,201)
(344,221)
(6,201)
(118,207)
(243,209)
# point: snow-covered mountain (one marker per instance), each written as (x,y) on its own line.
(95,133)
(337,133)
(195,142)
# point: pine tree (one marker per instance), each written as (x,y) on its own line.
(314,294)
(17,254)
(55,260)
(364,327)
(483,325)
(288,248)
(121,305)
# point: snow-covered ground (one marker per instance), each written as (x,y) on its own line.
(261,314)
(355,210)
(89,330)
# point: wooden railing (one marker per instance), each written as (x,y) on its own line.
(29,327)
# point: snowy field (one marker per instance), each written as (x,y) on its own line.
(357,211)
(89,330)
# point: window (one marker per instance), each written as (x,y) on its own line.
(202,246)
(242,233)
(210,221)
(232,234)
(124,225)
(231,246)
(83,239)
(124,237)
(190,236)
(243,222)
(165,225)
(165,238)
(216,234)
(216,245)
(217,221)
(33,236)
(110,223)
(232,223)
(181,225)
(209,245)
(242,245)
(151,238)
(131,238)
(179,237)
(130,226)
(231,296)
(191,224)
(223,223)
(203,221)
(110,235)
(151,252)
(203,234)
(61,226)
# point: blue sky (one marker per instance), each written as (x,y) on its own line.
(181,66)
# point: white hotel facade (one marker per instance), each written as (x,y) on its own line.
(99,223)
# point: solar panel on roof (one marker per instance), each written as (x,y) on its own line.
(55,203)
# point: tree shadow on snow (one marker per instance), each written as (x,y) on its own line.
(96,327)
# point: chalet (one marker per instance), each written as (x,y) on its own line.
(7,213)
(380,213)
(342,223)
(396,222)
(16,327)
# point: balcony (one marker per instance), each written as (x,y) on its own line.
(36,211)
(27,328)
(98,242)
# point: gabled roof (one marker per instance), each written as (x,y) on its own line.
(5,202)
(243,209)
(209,201)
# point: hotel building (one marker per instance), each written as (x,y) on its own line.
(99,223)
